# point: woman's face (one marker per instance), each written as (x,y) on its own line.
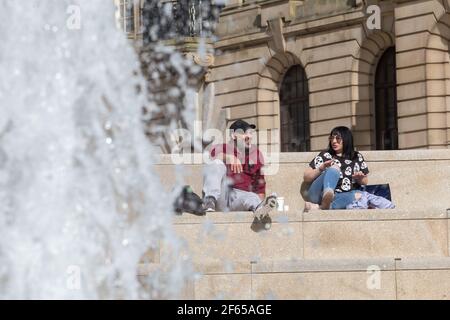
(337,143)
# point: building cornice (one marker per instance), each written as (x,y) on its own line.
(294,29)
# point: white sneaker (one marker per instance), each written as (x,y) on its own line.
(266,206)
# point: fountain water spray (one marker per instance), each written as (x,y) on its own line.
(79,201)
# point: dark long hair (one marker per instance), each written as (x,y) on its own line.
(348,150)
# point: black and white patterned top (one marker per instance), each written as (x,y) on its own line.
(348,168)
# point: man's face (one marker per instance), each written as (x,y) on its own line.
(243,138)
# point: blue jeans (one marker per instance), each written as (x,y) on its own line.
(328,180)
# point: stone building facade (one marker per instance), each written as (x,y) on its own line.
(186,27)
(345,65)
(296,69)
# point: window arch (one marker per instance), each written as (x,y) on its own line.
(294,111)
(386,128)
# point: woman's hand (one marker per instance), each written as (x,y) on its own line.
(325,165)
(360,177)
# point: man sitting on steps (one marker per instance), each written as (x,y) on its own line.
(233,179)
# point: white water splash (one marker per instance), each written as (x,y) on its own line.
(79,202)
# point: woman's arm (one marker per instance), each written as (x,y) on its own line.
(361,178)
(311,174)
(364,181)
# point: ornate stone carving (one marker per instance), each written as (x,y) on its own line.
(277,43)
(204,61)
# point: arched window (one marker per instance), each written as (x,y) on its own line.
(294,111)
(386,102)
(126,13)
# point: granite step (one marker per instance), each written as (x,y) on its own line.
(369,278)
(419,179)
(394,233)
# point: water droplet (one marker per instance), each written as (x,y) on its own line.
(109,140)
(125,242)
(108,125)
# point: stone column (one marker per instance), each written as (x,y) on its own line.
(422,58)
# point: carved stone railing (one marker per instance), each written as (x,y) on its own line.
(168,20)
(249,16)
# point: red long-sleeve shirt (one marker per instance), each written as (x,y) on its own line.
(251,178)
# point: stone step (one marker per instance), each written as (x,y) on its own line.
(374,278)
(419,179)
(324,254)
(396,233)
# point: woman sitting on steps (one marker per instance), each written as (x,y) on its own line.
(332,173)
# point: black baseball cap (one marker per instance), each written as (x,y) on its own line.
(241,125)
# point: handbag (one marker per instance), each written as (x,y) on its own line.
(382,190)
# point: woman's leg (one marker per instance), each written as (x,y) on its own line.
(329,184)
(315,190)
(327,180)
(342,199)
(331,178)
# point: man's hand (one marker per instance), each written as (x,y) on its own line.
(262,196)
(236,165)
(325,165)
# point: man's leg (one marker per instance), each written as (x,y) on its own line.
(240,200)
(215,183)
(249,201)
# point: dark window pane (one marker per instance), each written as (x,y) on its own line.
(294,108)
(386,102)
(183,18)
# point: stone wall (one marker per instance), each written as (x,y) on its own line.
(418,179)
(322,254)
(260,40)
(422,34)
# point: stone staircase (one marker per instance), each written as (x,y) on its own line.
(342,254)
